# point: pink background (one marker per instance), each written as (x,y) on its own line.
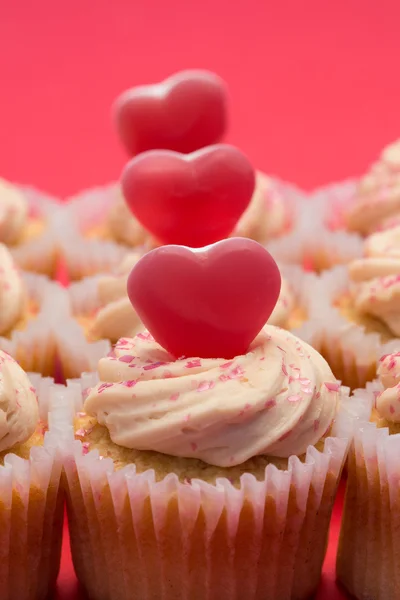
(315,91)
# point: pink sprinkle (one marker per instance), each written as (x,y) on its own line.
(392,364)
(308,390)
(392,409)
(192,364)
(127,358)
(294,398)
(167,374)
(281,349)
(236,372)
(226,365)
(270,403)
(174,397)
(85,447)
(145,336)
(80,432)
(154,366)
(332,387)
(304,381)
(103,387)
(18,404)
(205,385)
(130,383)
(186,418)
(223,377)
(284,369)
(123,342)
(32,389)
(193,446)
(316,424)
(246,407)
(262,358)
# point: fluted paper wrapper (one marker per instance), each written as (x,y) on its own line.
(352,354)
(84,257)
(368,561)
(34,347)
(32,505)
(40,254)
(135,538)
(312,243)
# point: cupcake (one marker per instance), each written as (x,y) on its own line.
(368,559)
(26,227)
(358,315)
(29,306)
(206,474)
(31,497)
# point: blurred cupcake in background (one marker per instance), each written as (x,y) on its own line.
(183,114)
(368,560)
(29,306)
(31,496)
(26,227)
(207,476)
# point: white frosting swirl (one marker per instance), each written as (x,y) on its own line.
(124,227)
(376,279)
(388,402)
(275,400)
(378,195)
(13,213)
(12,292)
(18,404)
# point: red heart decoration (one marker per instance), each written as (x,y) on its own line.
(208,303)
(183,113)
(191,199)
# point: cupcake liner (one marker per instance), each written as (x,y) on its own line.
(39,255)
(368,561)
(352,353)
(31,505)
(34,347)
(133,537)
(84,257)
(311,244)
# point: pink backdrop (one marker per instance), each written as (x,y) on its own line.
(315,91)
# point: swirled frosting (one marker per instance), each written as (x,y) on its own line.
(267,214)
(124,227)
(275,400)
(376,278)
(12,292)
(284,306)
(117,317)
(18,404)
(377,199)
(388,402)
(13,213)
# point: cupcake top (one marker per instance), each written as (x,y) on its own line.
(377,201)
(388,402)
(277,399)
(376,278)
(13,213)
(124,226)
(18,404)
(12,292)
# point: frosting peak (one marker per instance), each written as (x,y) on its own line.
(275,400)
(12,292)
(388,402)
(18,404)
(13,213)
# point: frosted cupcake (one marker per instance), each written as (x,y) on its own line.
(208,476)
(31,498)
(26,227)
(368,556)
(28,313)
(357,318)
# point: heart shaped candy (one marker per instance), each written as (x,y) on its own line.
(208,303)
(191,199)
(183,113)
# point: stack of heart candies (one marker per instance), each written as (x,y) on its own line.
(229,344)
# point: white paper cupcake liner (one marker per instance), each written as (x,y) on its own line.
(368,562)
(39,255)
(134,537)
(31,504)
(34,347)
(352,353)
(311,243)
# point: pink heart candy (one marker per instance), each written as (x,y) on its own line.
(183,113)
(208,303)
(191,199)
